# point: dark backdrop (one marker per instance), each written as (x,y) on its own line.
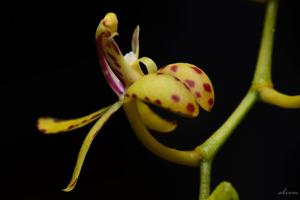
(49,67)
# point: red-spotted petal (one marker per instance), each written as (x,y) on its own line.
(164,91)
(195,79)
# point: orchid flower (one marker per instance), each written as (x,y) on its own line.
(179,88)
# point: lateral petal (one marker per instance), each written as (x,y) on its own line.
(164,91)
(195,79)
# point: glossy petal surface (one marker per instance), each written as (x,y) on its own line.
(195,79)
(48,125)
(165,91)
(154,121)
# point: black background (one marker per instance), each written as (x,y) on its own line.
(49,67)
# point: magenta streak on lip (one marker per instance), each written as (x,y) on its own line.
(115,84)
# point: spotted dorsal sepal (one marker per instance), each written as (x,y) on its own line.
(164,91)
(124,69)
(195,79)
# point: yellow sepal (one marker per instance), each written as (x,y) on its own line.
(48,125)
(88,141)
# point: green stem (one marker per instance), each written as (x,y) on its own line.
(205,171)
(212,145)
(262,75)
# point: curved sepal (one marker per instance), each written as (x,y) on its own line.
(195,79)
(105,43)
(88,141)
(48,125)
(164,91)
(154,121)
(108,25)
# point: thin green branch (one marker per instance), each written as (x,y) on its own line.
(205,171)
(262,78)
(262,75)
(212,145)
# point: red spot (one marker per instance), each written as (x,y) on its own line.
(174,68)
(105,23)
(211,101)
(106,34)
(207,87)
(118,73)
(75,181)
(147,98)
(95,135)
(190,83)
(157,101)
(134,96)
(198,94)
(108,45)
(175,98)
(84,121)
(95,116)
(111,56)
(196,69)
(117,64)
(116,48)
(127,95)
(71,126)
(190,107)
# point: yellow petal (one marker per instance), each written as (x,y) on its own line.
(195,79)
(154,121)
(165,91)
(87,143)
(48,125)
